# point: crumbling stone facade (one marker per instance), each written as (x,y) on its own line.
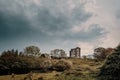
(75,53)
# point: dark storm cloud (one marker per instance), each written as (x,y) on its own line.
(11,26)
(46,22)
(14,18)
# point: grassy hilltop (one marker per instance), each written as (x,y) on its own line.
(81,69)
(23,67)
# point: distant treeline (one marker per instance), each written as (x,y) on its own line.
(12,61)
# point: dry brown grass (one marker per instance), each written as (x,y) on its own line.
(82,69)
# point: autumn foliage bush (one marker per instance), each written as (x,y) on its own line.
(45,65)
(57,65)
(62,65)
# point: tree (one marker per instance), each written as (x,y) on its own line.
(102,53)
(32,50)
(58,53)
(109,51)
(111,69)
(99,53)
(10,53)
(21,53)
(63,54)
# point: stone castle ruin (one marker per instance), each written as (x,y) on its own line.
(75,52)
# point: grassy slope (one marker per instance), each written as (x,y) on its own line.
(83,69)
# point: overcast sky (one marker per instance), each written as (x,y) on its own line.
(63,24)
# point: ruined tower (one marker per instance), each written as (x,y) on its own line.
(75,52)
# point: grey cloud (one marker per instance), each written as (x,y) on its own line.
(44,23)
(94,32)
(118,14)
(16,16)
